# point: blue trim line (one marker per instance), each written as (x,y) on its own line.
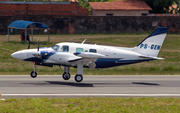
(106,63)
(158,31)
(46,54)
(77,53)
(33,59)
(100,63)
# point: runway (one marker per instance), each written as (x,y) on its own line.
(18,86)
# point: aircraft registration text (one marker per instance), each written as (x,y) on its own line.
(154,47)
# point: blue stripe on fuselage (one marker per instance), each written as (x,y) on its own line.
(106,63)
(102,62)
(33,59)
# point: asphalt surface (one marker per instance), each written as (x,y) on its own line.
(91,86)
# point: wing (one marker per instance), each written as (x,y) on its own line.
(87,58)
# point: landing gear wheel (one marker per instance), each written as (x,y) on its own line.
(78,78)
(66,76)
(33,74)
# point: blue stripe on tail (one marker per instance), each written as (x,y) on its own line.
(158,31)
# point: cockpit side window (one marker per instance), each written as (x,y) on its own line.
(64,48)
(55,47)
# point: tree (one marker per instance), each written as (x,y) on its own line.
(85,3)
(176,9)
(159,6)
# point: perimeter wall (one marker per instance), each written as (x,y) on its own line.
(94,24)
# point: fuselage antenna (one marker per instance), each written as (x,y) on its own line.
(83,41)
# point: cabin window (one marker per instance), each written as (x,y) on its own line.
(93,50)
(64,48)
(55,47)
(79,49)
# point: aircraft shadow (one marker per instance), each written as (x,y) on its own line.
(75,84)
(70,84)
(144,83)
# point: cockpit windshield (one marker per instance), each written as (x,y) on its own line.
(55,47)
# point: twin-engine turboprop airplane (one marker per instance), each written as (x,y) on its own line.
(80,55)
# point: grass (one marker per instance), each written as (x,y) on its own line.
(170,51)
(89,105)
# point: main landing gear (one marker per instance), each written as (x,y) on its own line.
(66,75)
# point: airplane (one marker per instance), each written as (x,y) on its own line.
(80,55)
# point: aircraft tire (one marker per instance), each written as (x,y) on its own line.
(33,75)
(66,76)
(78,78)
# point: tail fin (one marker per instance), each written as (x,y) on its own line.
(151,45)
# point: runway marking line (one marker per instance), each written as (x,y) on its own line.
(94,95)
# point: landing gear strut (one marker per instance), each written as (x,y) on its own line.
(79,77)
(33,73)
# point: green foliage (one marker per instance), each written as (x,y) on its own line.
(177,9)
(159,6)
(85,3)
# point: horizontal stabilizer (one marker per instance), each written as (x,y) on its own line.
(151,57)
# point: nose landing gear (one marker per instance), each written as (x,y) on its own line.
(33,73)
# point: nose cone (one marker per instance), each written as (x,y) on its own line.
(17,55)
(24,54)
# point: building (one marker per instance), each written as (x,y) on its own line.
(120,8)
(42,8)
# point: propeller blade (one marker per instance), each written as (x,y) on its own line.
(29,44)
(38,44)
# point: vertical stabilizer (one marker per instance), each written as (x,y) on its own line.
(152,44)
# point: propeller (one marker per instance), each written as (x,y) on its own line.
(29,44)
(44,54)
(37,54)
(38,44)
